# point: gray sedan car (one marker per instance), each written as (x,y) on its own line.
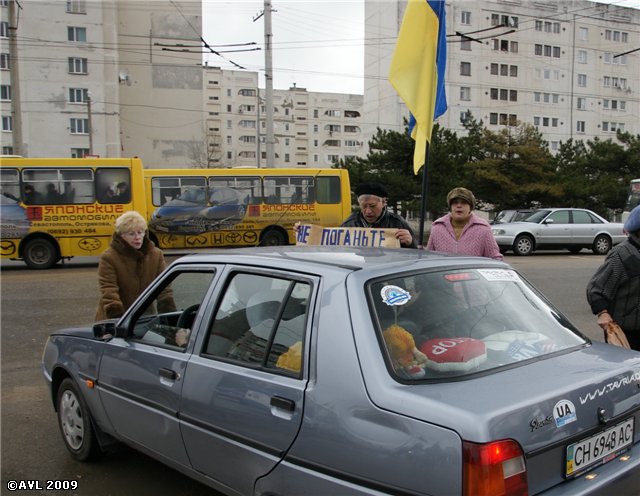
(302,370)
(559,228)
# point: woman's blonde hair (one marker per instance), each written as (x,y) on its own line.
(130,221)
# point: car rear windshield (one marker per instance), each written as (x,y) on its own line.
(454,323)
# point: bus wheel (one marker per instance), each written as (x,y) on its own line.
(273,237)
(40,253)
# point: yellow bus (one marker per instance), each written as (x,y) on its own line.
(57,208)
(197,208)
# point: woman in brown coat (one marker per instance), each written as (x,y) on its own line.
(127,267)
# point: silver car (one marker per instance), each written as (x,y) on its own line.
(559,228)
(302,370)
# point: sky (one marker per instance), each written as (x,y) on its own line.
(317,44)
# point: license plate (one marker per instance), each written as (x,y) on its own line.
(599,448)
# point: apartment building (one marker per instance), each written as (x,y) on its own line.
(311,129)
(107,78)
(567,67)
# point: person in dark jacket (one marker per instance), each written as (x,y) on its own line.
(127,267)
(614,290)
(372,199)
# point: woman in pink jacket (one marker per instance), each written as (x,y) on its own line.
(461,231)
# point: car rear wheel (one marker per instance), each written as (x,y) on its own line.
(601,245)
(76,424)
(40,253)
(523,245)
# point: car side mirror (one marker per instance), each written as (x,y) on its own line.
(104,330)
(548,221)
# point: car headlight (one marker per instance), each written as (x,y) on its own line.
(498,232)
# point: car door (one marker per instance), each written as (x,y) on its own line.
(243,394)
(555,229)
(583,229)
(141,375)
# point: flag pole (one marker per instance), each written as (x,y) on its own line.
(423,200)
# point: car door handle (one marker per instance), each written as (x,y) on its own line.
(172,375)
(283,403)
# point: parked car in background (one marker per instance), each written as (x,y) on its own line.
(324,370)
(559,228)
(505,216)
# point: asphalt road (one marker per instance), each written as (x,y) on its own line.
(34,303)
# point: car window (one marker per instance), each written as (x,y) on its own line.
(582,217)
(260,322)
(537,216)
(559,217)
(459,322)
(167,317)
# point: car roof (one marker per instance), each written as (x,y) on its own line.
(349,258)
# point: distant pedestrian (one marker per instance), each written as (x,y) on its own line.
(461,231)
(374,212)
(614,290)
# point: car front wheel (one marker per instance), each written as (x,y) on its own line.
(75,423)
(601,245)
(523,245)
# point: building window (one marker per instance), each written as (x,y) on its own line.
(5,92)
(4,29)
(465,17)
(465,45)
(554,146)
(504,94)
(229,140)
(538,25)
(494,69)
(247,92)
(465,93)
(229,124)
(79,126)
(582,56)
(582,80)
(5,61)
(76,7)
(465,68)
(78,95)
(536,120)
(493,93)
(7,150)
(247,139)
(580,126)
(493,118)
(583,34)
(7,123)
(78,65)
(77,34)
(581,103)
(513,95)
(79,152)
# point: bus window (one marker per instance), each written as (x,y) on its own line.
(10,183)
(57,186)
(164,189)
(328,189)
(113,185)
(247,189)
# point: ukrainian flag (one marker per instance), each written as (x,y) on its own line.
(417,69)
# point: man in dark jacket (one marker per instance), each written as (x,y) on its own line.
(614,290)
(372,199)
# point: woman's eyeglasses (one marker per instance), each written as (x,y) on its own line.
(133,234)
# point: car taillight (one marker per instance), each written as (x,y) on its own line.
(494,469)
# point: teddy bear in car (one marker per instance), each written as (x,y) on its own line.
(405,356)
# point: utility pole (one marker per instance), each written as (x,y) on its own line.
(258,129)
(16,111)
(268,74)
(89,124)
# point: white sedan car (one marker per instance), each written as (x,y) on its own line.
(559,228)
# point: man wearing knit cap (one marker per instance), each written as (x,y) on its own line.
(372,199)
(461,231)
(614,290)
